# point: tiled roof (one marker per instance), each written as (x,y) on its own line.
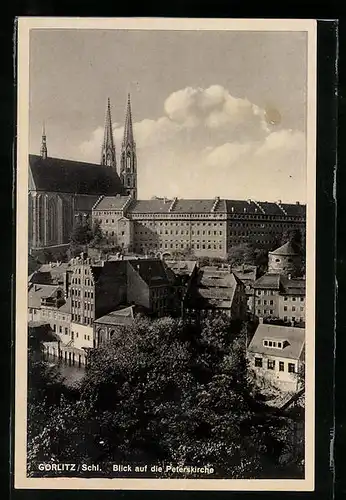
(111,202)
(293,286)
(213,287)
(67,176)
(242,206)
(122,316)
(293,348)
(245,273)
(296,209)
(150,206)
(286,249)
(199,206)
(152,271)
(186,206)
(268,280)
(36,292)
(271,208)
(182,267)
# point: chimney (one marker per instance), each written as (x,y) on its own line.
(260,320)
(297,203)
(289,276)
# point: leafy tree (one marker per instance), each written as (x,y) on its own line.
(163,391)
(241,254)
(82,232)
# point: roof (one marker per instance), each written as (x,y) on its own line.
(37,292)
(111,202)
(286,249)
(67,176)
(287,286)
(268,281)
(293,286)
(152,271)
(293,348)
(245,273)
(182,267)
(213,287)
(185,206)
(122,316)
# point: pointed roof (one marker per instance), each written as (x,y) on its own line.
(108,140)
(128,128)
(43,150)
(286,249)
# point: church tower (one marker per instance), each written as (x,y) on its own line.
(128,158)
(108,156)
(43,149)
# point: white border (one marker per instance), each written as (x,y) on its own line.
(25,24)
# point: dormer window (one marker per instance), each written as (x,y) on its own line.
(276,344)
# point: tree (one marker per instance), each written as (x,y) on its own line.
(241,254)
(81,233)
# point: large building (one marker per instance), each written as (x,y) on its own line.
(59,190)
(203,227)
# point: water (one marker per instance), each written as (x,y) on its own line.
(72,374)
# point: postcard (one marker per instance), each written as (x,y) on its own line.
(165,269)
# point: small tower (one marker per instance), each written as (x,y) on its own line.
(108,156)
(285,260)
(43,149)
(128,158)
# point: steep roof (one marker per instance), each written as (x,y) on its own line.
(215,205)
(293,286)
(123,316)
(245,273)
(67,176)
(269,281)
(287,286)
(37,292)
(182,267)
(152,271)
(293,348)
(286,249)
(111,202)
(213,287)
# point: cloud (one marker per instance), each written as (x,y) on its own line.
(208,143)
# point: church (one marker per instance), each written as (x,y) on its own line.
(61,190)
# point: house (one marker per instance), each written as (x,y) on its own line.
(216,290)
(276,355)
(247,274)
(277,296)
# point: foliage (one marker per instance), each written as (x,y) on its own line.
(163,391)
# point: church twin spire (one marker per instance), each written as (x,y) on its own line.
(43,150)
(128,156)
(108,154)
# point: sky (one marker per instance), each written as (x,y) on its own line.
(216,113)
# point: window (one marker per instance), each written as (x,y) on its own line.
(291,368)
(258,362)
(66,331)
(281,366)
(265,342)
(271,302)
(285,298)
(271,364)
(285,308)
(293,308)
(293,298)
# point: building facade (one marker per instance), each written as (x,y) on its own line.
(202,227)
(215,290)
(279,297)
(276,355)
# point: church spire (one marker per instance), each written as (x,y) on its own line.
(128,129)
(108,156)
(43,150)
(128,157)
